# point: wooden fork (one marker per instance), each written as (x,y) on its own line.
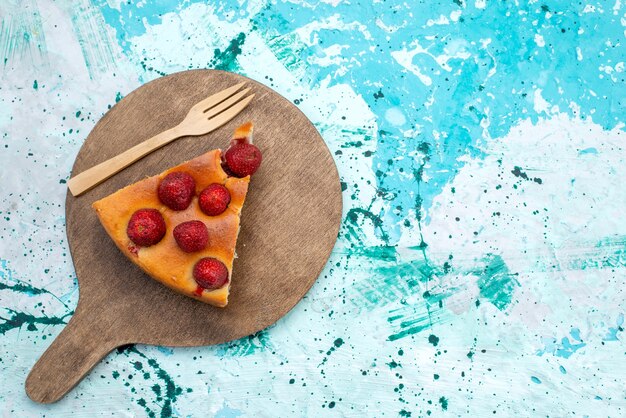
(204,117)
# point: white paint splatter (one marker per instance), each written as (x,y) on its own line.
(395,116)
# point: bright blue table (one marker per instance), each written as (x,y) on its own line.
(480,268)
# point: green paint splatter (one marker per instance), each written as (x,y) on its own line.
(496,284)
(6,274)
(433,339)
(336,344)
(118,97)
(377,253)
(354,233)
(413,319)
(517,172)
(21,288)
(227,59)
(35,85)
(352,144)
(411,272)
(612,255)
(407,332)
(404,413)
(146,67)
(535,379)
(287,48)
(259,341)
(444,403)
(166,392)
(393,364)
(18,319)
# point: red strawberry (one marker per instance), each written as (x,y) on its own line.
(146,227)
(176,190)
(214,199)
(243,159)
(191,236)
(210,273)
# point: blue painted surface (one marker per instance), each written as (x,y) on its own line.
(480,266)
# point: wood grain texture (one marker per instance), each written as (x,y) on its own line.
(289,226)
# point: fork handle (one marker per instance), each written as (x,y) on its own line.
(84,181)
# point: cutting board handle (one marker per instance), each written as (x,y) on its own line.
(80,346)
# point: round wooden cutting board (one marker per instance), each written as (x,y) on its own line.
(289,225)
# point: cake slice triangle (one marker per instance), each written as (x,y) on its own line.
(181,226)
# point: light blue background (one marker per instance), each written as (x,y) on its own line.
(480,268)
